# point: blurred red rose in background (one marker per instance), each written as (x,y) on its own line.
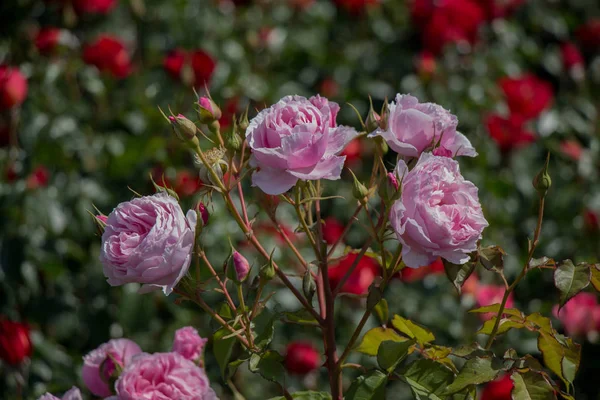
(591,220)
(361,278)
(301,358)
(15,344)
(332,230)
(581,314)
(355,6)
(500,389)
(527,96)
(187,183)
(108,54)
(13,87)
(508,133)
(39,177)
(94,6)
(425,64)
(571,56)
(589,35)
(190,67)
(353,151)
(47,39)
(500,8)
(571,149)
(416,274)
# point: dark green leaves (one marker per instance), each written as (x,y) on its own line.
(427,379)
(531,386)
(571,279)
(268,365)
(222,348)
(368,387)
(421,334)
(391,353)
(561,355)
(373,338)
(458,274)
(476,371)
(492,258)
(307,395)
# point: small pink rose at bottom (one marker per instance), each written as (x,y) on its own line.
(98,365)
(581,314)
(500,389)
(72,394)
(301,358)
(188,343)
(163,376)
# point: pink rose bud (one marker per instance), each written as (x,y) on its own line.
(183,127)
(102,218)
(148,240)
(188,343)
(238,267)
(297,138)
(201,208)
(208,111)
(99,365)
(448,221)
(163,375)
(392,180)
(413,127)
(71,394)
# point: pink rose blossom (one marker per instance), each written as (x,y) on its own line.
(581,314)
(487,295)
(438,215)
(163,376)
(148,240)
(188,343)
(72,394)
(98,365)
(297,138)
(413,127)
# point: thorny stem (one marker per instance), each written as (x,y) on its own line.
(240,293)
(290,244)
(202,255)
(509,290)
(261,286)
(345,231)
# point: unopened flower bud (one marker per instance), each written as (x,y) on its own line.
(214,158)
(244,122)
(373,120)
(359,191)
(233,141)
(208,111)
(203,213)
(389,189)
(309,286)
(183,127)
(267,271)
(384,116)
(237,267)
(542,180)
(160,188)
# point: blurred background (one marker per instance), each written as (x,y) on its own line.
(80,86)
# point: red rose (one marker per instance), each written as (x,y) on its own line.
(425,64)
(361,278)
(15,344)
(332,230)
(200,64)
(416,274)
(301,358)
(355,6)
(329,88)
(451,21)
(571,56)
(352,151)
(47,39)
(591,220)
(500,8)
(500,389)
(421,11)
(13,87)
(589,35)
(108,54)
(508,133)
(527,95)
(93,6)
(571,149)
(228,111)
(187,183)
(38,178)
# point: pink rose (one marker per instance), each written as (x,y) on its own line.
(163,376)
(188,343)
(581,314)
(148,240)
(413,127)
(297,138)
(487,295)
(438,215)
(99,364)
(72,394)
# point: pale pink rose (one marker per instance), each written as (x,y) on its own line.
(99,364)
(148,240)
(188,343)
(581,314)
(438,215)
(297,138)
(487,295)
(163,376)
(413,127)
(71,394)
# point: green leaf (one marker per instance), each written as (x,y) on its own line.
(476,371)
(268,365)
(382,312)
(542,262)
(539,321)
(458,274)
(412,330)
(492,258)
(494,308)
(391,353)
(504,326)
(570,279)
(471,350)
(306,395)
(374,337)
(368,387)
(531,386)
(595,269)
(222,348)
(302,317)
(264,328)
(427,379)
(554,351)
